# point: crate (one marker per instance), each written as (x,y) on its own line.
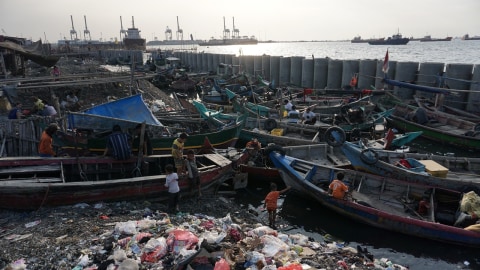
(434,168)
(277,131)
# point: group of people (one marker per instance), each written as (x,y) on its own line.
(307,117)
(40,107)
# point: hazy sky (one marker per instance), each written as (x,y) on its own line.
(265,19)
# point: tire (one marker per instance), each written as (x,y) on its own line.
(270,124)
(274,148)
(368,158)
(477,127)
(332,133)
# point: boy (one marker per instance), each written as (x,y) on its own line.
(193,176)
(271,203)
(177,153)
(173,189)
(337,188)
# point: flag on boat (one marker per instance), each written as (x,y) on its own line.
(385,63)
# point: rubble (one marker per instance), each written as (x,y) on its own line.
(212,232)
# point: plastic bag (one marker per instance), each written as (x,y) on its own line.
(178,239)
(272,245)
(214,237)
(292,266)
(128,227)
(221,265)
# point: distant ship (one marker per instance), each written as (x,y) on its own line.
(467,37)
(236,39)
(132,39)
(395,39)
(358,39)
(429,38)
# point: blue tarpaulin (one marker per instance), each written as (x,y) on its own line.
(124,112)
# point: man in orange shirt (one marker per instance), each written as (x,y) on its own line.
(337,188)
(271,203)
(45,148)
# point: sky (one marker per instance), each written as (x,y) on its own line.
(278,20)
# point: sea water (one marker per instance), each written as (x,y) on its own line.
(417,253)
(448,52)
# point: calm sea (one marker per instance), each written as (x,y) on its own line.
(448,52)
(308,217)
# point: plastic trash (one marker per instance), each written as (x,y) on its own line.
(128,227)
(221,264)
(33,223)
(272,245)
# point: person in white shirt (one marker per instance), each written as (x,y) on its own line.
(287,105)
(49,110)
(171,181)
(309,117)
(293,115)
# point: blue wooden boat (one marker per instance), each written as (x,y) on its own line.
(382,202)
(426,171)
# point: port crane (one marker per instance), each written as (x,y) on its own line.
(236,32)
(122,31)
(73,32)
(168,34)
(179,31)
(86,31)
(226,32)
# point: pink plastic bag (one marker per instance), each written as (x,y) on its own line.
(178,239)
(222,264)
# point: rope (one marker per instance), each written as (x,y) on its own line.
(44,197)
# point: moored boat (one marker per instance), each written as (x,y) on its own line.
(382,202)
(29,183)
(409,169)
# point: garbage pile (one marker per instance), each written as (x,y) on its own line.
(147,239)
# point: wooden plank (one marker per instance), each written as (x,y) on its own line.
(31,169)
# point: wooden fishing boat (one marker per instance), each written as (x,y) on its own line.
(87,131)
(29,183)
(437,107)
(398,165)
(437,126)
(381,202)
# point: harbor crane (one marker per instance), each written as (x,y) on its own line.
(179,31)
(86,31)
(226,32)
(236,32)
(168,34)
(73,32)
(122,31)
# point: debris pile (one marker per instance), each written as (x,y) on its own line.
(140,235)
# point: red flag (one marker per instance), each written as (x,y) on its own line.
(385,63)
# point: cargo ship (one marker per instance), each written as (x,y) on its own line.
(133,40)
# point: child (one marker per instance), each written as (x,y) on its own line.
(173,189)
(193,176)
(271,203)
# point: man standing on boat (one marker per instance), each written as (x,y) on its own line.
(45,148)
(118,144)
(177,153)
